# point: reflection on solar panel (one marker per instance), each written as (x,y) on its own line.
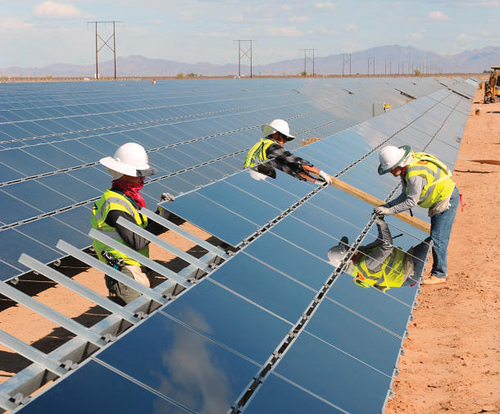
(274,326)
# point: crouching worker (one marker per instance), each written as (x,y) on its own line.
(269,153)
(128,168)
(380,264)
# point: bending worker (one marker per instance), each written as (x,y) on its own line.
(380,264)
(128,168)
(269,153)
(427,182)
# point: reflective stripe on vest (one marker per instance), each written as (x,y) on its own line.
(109,201)
(439,183)
(257,154)
(391,273)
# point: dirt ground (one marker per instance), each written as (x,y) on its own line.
(452,355)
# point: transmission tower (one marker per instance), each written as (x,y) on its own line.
(104,42)
(308,56)
(346,60)
(245,50)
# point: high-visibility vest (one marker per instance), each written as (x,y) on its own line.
(257,153)
(439,183)
(112,200)
(391,273)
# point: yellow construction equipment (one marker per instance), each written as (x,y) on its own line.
(492,86)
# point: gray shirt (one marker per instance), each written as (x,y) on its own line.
(405,202)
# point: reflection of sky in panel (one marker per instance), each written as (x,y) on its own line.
(240,202)
(95,176)
(21,161)
(14,243)
(14,209)
(290,259)
(372,304)
(176,185)
(355,336)
(365,180)
(334,376)
(108,392)
(277,396)
(181,364)
(229,319)
(65,184)
(265,286)
(8,174)
(212,217)
(411,136)
(163,163)
(80,151)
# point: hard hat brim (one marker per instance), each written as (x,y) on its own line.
(382,171)
(269,130)
(112,164)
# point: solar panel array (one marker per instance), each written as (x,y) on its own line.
(275,328)
(53,134)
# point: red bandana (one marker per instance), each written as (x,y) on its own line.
(132,190)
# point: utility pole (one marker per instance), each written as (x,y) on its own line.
(306,58)
(371,63)
(245,52)
(388,61)
(104,43)
(345,57)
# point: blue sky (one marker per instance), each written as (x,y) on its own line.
(40,33)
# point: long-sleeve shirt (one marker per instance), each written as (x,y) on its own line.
(404,201)
(285,161)
(375,257)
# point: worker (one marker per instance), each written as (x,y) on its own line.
(128,168)
(427,182)
(269,153)
(380,264)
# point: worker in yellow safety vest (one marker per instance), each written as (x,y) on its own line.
(268,154)
(426,182)
(380,264)
(128,168)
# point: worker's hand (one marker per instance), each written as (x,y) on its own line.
(325,176)
(167,197)
(382,211)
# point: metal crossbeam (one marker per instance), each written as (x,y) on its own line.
(163,244)
(179,230)
(51,314)
(111,272)
(77,288)
(104,238)
(31,353)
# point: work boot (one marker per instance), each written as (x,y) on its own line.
(434,280)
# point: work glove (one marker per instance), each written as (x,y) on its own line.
(382,211)
(325,176)
(167,197)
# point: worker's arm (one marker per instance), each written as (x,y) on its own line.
(406,202)
(133,240)
(375,258)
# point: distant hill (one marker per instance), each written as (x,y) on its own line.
(383,60)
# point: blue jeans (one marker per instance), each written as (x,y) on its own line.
(419,254)
(441,225)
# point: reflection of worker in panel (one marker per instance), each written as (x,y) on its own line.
(268,154)
(128,167)
(427,182)
(380,264)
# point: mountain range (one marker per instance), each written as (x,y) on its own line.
(383,60)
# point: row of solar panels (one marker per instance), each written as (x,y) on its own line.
(277,317)
(52,135)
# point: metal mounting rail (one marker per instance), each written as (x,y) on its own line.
(111,272)
(179,230)
(53,315)
(32,353)
(165,245)
(78,288)
(134,254)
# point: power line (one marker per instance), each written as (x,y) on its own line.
(104,42)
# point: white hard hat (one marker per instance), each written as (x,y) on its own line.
(256,175)
(391,157)
(337,253)
(129,159)
(278,125)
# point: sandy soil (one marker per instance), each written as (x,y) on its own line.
(452,355)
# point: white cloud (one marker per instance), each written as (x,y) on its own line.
(54,10)
(298,19)
(440,16)
(351,28)
(326,5)
(416,36)
(284,32)
(481,4)
(15,24)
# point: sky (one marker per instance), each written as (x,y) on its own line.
(40,33)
